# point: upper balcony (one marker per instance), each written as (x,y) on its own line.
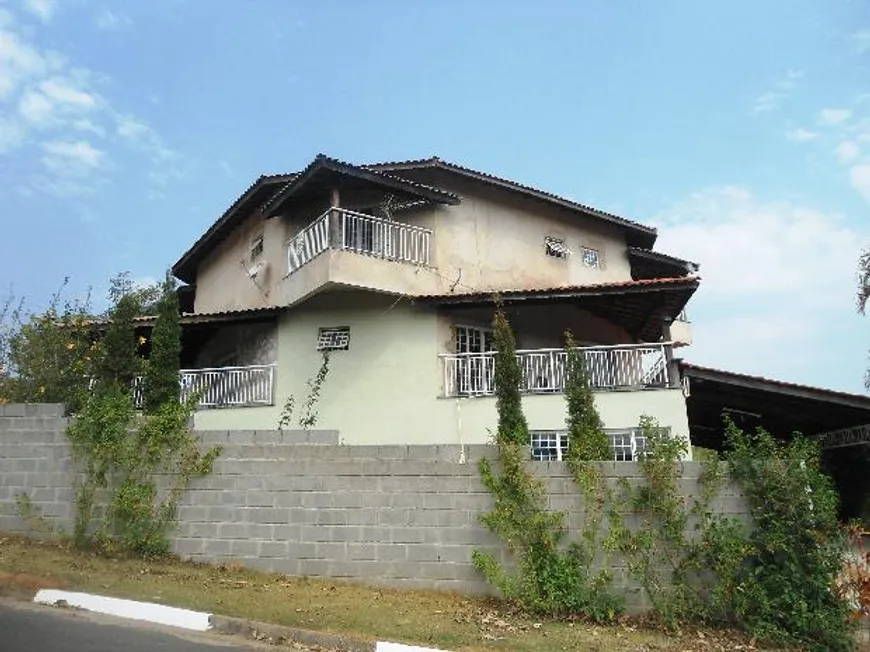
(346,230)
(345,248)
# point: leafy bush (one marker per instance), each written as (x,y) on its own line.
(783,592)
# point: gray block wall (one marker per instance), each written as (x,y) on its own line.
(299,503)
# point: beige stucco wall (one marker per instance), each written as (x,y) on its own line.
(386,388)
(222,282)
(492,240)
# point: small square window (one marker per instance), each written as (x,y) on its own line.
(256,249)
(591,257)
(556,248)
(333,339)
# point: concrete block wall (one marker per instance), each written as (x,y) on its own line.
(299,503)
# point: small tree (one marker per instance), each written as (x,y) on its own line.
(47,357)
(118,363)
(161,376)
(512,424)
(586,436)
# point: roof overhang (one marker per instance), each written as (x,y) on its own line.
(228,316)
(324,174)
(641,307)
(781,408)
(646,264)
(636,234)
(254,197)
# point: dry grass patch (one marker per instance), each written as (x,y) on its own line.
(442,620)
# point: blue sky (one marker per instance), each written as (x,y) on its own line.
(741,129)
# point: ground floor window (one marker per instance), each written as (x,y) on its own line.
(627,444)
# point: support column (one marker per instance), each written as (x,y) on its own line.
(335,234)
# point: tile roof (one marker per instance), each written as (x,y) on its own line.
(321,160)
(435,162)
(785,385)
(571,290)
(221,315)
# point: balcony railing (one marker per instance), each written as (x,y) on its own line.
(346,230)
(629,366)
(223,386)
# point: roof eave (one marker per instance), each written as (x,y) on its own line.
(759,383)
(517,296)
(657,256)
(322,161)
(185,267)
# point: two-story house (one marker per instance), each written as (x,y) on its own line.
(392,269)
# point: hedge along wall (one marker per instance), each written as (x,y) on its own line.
(299,503)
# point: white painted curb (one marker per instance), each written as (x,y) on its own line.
(148,611)
(398,647)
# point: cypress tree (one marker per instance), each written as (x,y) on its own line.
(118,363)
(161,377)
(586,436)
(512,424)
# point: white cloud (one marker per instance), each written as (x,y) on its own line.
(847,151)
(64,92)
(107,20)
(51,108)
(19,61)
(861,41)
(75,158)
(36,109)
(772,99)
(859,177)
(11,135)
(834,116)
(800,135)
(776,277)
(42,9)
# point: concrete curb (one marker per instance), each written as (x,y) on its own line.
(277,634)
(201,622)
(146,611)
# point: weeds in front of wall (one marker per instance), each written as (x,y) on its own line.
(308,418)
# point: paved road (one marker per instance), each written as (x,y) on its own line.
(27,628)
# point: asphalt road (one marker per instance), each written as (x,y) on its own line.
(28,628)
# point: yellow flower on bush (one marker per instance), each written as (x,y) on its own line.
(142,340)
(70,346)
(42,389)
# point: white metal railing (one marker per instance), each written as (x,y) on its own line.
(223,386)
(374,236)
(348,230)
(625,366)
(308,243)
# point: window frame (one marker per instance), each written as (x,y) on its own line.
(556,248)
(584,251)
(256,248)
(327,336)
(624,451)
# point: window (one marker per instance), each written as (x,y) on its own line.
(627,444)
(555,247)
(549,446)
(591,257)
(256,249)
(333,339)
(472,339)
(474,371)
